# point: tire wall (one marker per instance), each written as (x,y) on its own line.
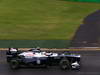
(85,0)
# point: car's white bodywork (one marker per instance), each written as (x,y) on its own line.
(75,64)
(31,54)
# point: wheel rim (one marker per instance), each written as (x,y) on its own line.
(64,65)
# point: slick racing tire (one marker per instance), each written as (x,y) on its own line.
(14,64)
(64,64)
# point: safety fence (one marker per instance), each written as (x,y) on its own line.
(35,43)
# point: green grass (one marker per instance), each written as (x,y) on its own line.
(42,19)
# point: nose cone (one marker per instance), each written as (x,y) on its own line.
(75,65)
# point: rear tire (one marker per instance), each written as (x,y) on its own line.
(8,59)
(14,64)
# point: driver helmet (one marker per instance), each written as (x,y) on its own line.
(13,49)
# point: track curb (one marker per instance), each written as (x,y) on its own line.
(65,49)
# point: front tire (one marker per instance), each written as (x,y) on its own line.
(64,64)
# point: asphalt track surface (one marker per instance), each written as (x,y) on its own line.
(90,65)
(88,34)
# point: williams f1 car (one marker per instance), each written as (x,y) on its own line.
(36,57)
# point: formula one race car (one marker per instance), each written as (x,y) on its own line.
(36,57)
